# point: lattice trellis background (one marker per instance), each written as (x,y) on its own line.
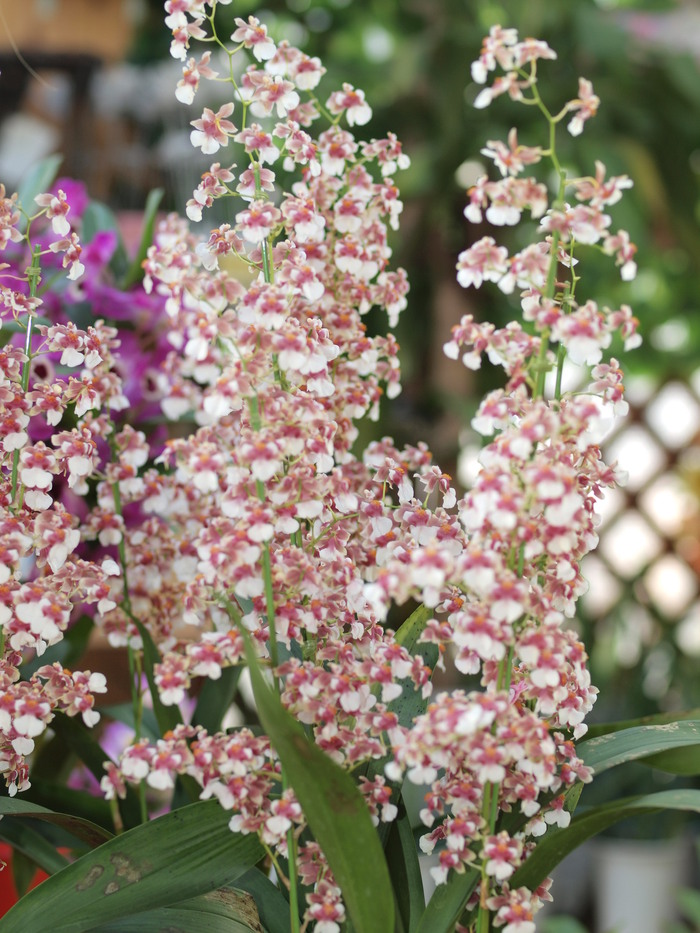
(643,606)
(641,616)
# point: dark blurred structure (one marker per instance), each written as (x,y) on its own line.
(50,53)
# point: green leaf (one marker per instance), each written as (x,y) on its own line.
(411,702)
(334,809)
(67,651)
(168,717)
(689,903)
(273,909)
(181,855)
(447,903)
(215,699)
(557,843)
(23,871)
(658,719)
(221,911)
(124,713)
(404,868)
(96,218)
(69,800)
(73,733)
(38,180)
(616,748)
(412,628)
(31,843)
(135,271)
(82,829)
(681,761)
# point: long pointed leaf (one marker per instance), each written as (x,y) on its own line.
(99,217)
(31,843)
(411,703)
(334,810)
(657,719)
(616,748)
(222,911)
(216,698)
(23,871)
(73,733)
(38,179)
(557,844)
(167,716)
(73,803)
(404,868)
(84,830)
(176,857)
(135,272)
(447,903)
(273,909)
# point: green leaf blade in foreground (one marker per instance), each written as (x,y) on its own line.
(656,719)
(25,839)
(273,909)
(221,911)
(82,829)
(640,742)
(335,811)
(557,843)
(179,856)
(404,867)
(447,903)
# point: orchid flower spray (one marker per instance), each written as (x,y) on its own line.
(257,539)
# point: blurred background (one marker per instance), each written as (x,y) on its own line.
(94,81)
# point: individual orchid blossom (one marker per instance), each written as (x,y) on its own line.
(352,103)
(213,130)
(253,35)
(192,73)
(583,108)
(57,207)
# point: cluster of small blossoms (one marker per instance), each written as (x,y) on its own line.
(529,518)
(263,518)
(57,386)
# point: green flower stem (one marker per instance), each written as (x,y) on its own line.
(254,407)
(489,807)
(33,278)
(483,916)
(561,357)
(135,665)
(551,282)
